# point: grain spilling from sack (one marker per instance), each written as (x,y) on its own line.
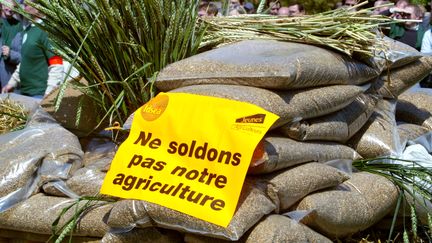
(358,204)
(278,228)
(379,136)
(148,235)
(415,108)
(289,105)
(266,64)
(338,126)
(408,131)
(280,153)
(37,213)
(252,206)
(394,82)
(287,187)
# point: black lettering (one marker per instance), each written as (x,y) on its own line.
(129,182)
(119,179)
(227,159)
(148,162)
(212,154)
(147,183)
(142,137)
(179,168)
(177,189)
(183,149)
(201,151)
(136,160)
(196,199)
(192,148)
(156,143)
(204,173)
(165,191)
(152,187)
(172,147)
(160,165)
(236,159)
(184,191)
(192,175)
(217,204)
(140,181)
(205,199)
(221,181)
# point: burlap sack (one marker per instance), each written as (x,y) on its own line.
(266,64)
(408,131)
(279,153)
(338,126)
(289,105)
(379,137)
(37,214)
(415,108)
(358,204)
(394,82)
(287,187)
(147,235)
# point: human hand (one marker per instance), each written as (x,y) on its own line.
(5,51)
(6,89)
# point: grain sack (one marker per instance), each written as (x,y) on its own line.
(379,136)
(415,108)
(45,147)
(358,204)
(285,188)
(394,54)
(278,228)
(37,214)
(408,131)
(252,206)
(97,149)
(280,153)
(84,182)
(289,105)
(338,126)
(148,235)
(266,64)
(67,113)
(394,82)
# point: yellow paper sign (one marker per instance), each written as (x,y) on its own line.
(189,153)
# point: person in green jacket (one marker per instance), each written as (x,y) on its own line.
(40,69)
(10,56)
(410,33)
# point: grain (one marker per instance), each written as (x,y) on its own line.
(37,213)
(415,108)
(379,136)
(266,64)
(357,204)
(278,228)
(252,206)
(148,235)
(338,126)
(289,105)
(408,131)
(282,153)
(394,82)
(287,187)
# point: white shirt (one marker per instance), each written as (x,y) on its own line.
(426,47)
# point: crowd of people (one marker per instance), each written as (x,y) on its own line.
(28,64)
(415,31)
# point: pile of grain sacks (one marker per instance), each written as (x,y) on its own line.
(333,109)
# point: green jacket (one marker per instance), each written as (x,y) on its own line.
(398,30)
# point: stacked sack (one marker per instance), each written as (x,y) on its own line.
(330,107)
(333,109)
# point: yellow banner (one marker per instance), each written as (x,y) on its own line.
(189,153)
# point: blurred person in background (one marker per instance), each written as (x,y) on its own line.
(10,55)
(40,70)
(378,10)
(410,32)
(349,4)
(283,11)
(207,9)
(273,6)
(296,10)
